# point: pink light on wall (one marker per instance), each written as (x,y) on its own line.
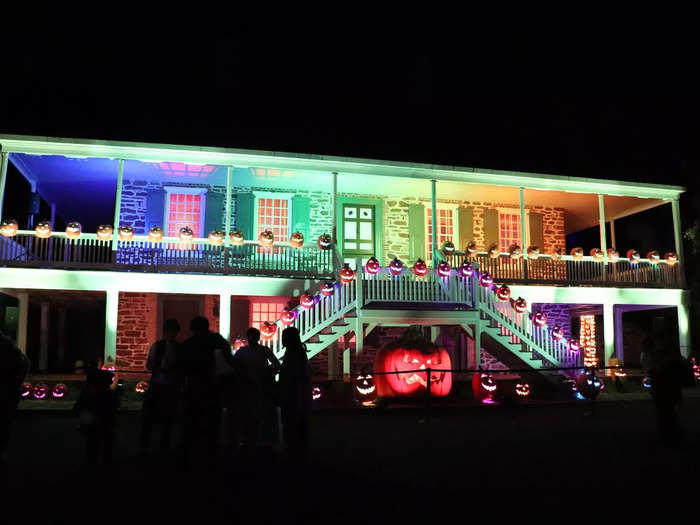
(180,169)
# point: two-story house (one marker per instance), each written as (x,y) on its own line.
(177,231)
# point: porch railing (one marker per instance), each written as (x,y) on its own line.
(408,288)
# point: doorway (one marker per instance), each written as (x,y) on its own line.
(181,307)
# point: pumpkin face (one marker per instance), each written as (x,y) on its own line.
(268,330)
(653,257)
(307,301)
(364,388)
(236,237)
(533,253)
(40,391)
(26,390)
(186,234)
(239,342)
(540,319)
(408,377)
(574,346)
(155,234)
(620,372)
(266,238)
(494,253)
(141,387)
(597,254)
(483,386)
(448,248)
(613,256)
(443,269)
(73,230)
(519,305)
(126,233)
(216,237)
(105,232)
(288,317)
(633,256)
(327,289)
(515,251)
(372,266)
(420,269)
(316,393)
(59,390)
(8,228)
(556,253)
(346,274)
(471,248)
(671,258)
(43,230)
(522,390)
(557,333)
(646,383)
(486,280)
(577,253)
(503,293)
(325,242)
(296,240)
(466,270)
(396,267)
(588,385)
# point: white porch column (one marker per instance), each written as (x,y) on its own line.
(3,177)
(225,315)
(23,299)
(334,205)
(619,341)
(111,317)
(433,218)
(117,208)
(678,239)
(523,232)
(613,242)
(227,220)
(44,336)
(684,324)
(608,332)
(359,336)
(603,237)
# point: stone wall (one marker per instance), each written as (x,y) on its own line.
(136,329)
(557,315)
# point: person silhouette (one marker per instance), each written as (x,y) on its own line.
(14,367)
(295,394)
(96,408)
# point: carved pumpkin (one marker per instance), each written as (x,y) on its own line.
(503,293)
(40,391)
(347,275)
(653,257)
(307,301)
(556,253)
(466,269)
(43,230)
(266,238)
(577,253)
(186,234)
(396,267)
(443,269)
(646,383)
(268,330)
(557,333)
(327,289)
(522,390)
(126,233)
(239,342)
(316,393)
(372,266)
(141,387)
(620,372)
(296,240)
(406,359)
(325,242)
(105,232)
(519,305)
(515,251)
(494,252)
(597,254)
(155,234)
(588,385)
(288,317)
(613,256)
(59,390)
(420,269)
(73,230)
(8,228)
(533,253)
(26,390)
(574,346)
(671,258)
(237,237)
(486,280)
(364,389)
(483,386)
(448,248)
(540,319)
(471,249)
(216,237)
(633,256)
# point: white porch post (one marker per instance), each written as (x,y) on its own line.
(608,332)
(3,177)
(227,220)
(44,336)
(332,360)
(334,205)
(619,341)
(225,315)
(678,239)
(433,218)
(603,238)
(684,324)
(117,208)
(359,336)
(23,300)
(523,231)
(613,242)
(111,317)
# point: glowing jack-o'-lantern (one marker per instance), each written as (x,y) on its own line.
(141,387)
(407,359)
(522,390)
(288,317)
(515,251)
(448,248)
(671,258)
(104,232)
(486,280)
(216,237)
(364,389)
(396,267)
(466,269)
(613,255)
(40,391)
(646,383)
(540,319)
(73,230)
(268,330)
(155,234)
(8,228)
(443,269)
(574,346)
(316,393)
(307,301)
(43,230)
(346,274)
(237,237)
(588,385)
(26,390)
(557,333)
(59,391)
(484,386)
(633,256)
(296,240)
(266,238)
(185,234)
(471,249)
(372,266)
(325,242)
(494,252)
(420,269)
(533,253)
(556,253)
(126,233)
(597,254)
(327,289)
(503,293)
(653,257)
(239,342)
(620,372)
(519,305)
(577,253)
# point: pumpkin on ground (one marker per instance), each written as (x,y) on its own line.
(364,389)
(483,386)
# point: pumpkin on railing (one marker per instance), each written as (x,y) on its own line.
(155,235)
(346,274)
(126,233)
(515,251)
(613,255)
(420,269)
(327,289)
(288,316)
(43,230)
(443,269)
(494,252)
(73,230)
(653,257)
(556,253)
(105,232)
(597,254)
(296,240)
(307,301)
(577,253)
(266,238)
(396,267)
(466,269)
(8,228)
(671,258)
(448,248)
(237,237)
(325,241)
(519,305)
(268,330)
(216,237)
(533,253)
(486,280)
(186,234)
(540,319)
(470,249)
(633,256)
(372,266)
(503,293)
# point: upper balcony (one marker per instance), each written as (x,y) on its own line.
(371,208)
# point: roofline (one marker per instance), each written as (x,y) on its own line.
(327,163)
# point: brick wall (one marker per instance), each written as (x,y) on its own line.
(211,311)
(136,329)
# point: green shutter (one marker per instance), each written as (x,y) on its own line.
(536,230)
(301,216)
(214,214)
(490,228)
(465,221)
(245,214)
(416,231)
(155,210)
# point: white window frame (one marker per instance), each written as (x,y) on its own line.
(185,190)
(516,211)
(275,195)
(455,225)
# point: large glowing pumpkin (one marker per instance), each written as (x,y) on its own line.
(406,359)
(104,232)
(73,230)
(8,228)
(588,385)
